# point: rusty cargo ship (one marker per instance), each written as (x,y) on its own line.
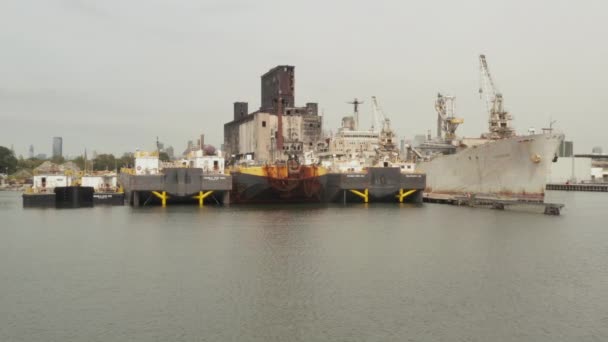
(281,182)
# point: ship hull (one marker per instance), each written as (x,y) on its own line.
(515,168)
(274,184)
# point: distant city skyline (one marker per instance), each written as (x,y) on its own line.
(114,75)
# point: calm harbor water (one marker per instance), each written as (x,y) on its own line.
(304,273)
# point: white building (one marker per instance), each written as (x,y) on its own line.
(146,163)
(105,182)
(570,169)
(209,163)
(47,182)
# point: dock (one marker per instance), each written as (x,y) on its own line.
(593,187)
(494,203)
(176,185)
(60,197)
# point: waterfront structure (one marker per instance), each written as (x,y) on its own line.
(49,175)
(198,176)
(279,80)
(57,147)
(571,170)
(278,128)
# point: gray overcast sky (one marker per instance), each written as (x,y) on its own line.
(112,75)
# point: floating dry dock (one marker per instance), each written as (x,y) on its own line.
(376,184)
(176,185)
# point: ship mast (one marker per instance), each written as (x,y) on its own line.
(280,122)
(356,104)
(499,119)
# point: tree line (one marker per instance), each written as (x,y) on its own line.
(10,164)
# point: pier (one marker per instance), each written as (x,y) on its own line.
(593,187)
(494,203)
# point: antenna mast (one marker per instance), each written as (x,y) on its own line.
(356,104)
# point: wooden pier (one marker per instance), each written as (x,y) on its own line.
(493,202)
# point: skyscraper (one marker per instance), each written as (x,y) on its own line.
(31,152)
(57,147)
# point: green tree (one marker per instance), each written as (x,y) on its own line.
(28,164)
(8,162)
(164,157)
(58,160)
(104,162)
(79,161)
(127,160)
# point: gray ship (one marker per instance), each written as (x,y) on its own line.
(499,164)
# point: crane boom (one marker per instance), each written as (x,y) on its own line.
(499,119)
(447,123)
(377,115)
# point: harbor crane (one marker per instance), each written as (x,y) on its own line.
(378,117)
(499,119)
(447,123)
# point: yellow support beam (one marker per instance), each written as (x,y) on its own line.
(201,197)
(163,197)
(403,194)
(364,194)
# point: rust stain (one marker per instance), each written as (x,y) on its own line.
(294,180)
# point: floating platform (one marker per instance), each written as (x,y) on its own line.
(494,203)
(39,200)
(176,185)
(62,197)
(595,187)
(376,184)
(109,198)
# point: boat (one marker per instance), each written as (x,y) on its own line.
(281,182)
(105,185)
(498,164)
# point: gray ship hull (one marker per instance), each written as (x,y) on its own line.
(513,168)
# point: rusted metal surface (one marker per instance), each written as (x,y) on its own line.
(279,183)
